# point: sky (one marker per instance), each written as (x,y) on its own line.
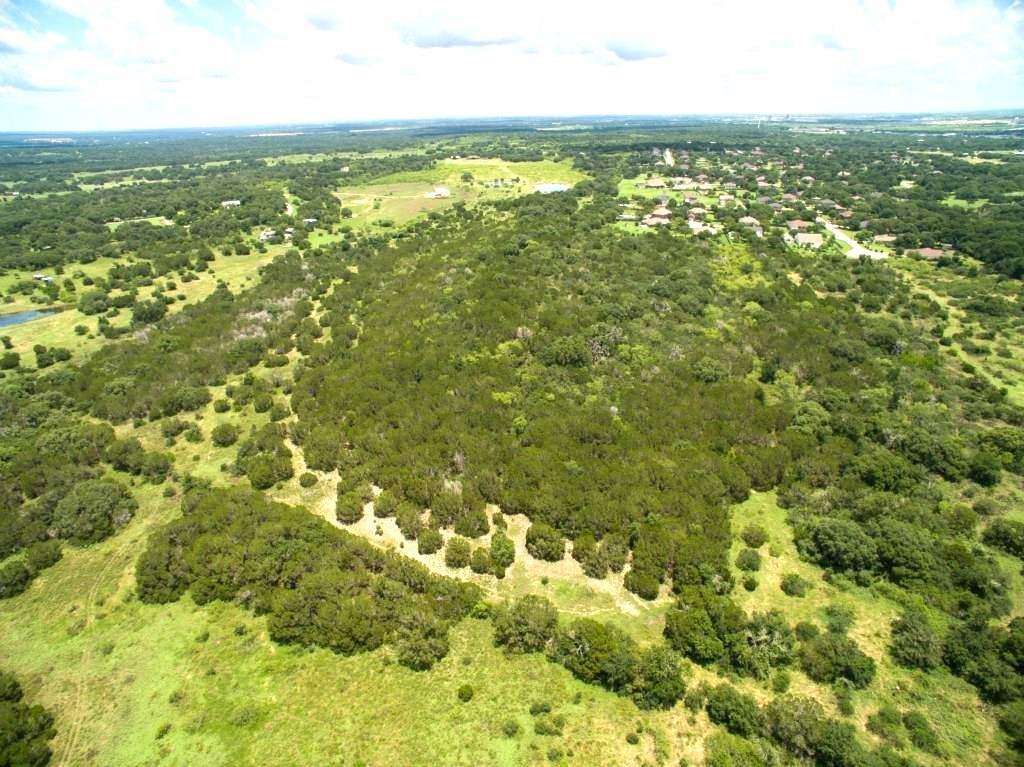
(130,64)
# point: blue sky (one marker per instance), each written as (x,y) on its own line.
(121,64)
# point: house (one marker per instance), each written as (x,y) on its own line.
(654,183)
(662,212)
(698,227)
(809,240)
(439,192)
(696,212)
(884,239)
(267,234)
(38,276)
(230,203)
(789,197)
(826,203)
(749,221)
(797,224)
(309,220)
(652,220)
(725,199)
(928,252)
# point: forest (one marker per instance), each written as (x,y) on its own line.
(532,413)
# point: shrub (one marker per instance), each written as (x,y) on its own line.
(93,509)
(749,560)
(385,505)
(829,657)
(349,508)
(793,585)
(738,713)
(526,625)
(407,517)
(920,732)
(307,479)
(642,584)
(42,554)
(754,536)
(544,542)
(428,541)
(466,693)
(224,434)
(456,553)
(480,561)
(914,642)
(750,583)
(659,679)
(510,728)
(503,552)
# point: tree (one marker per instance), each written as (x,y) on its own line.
(738,713)
(457,552)
(428,541)
(794,722)
(224,435)
(914,643)
(480,561)
(93,509)
(596,653)
(659,679)
(422,641)
(829,657)
(748,560)
(544,542)
(755,536)
(349,508)
(9,360)
(692,633)
(24,729)
(526,625)
(503,552)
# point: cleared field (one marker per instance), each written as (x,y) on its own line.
(398,198)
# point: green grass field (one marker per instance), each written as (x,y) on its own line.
(58,329)
(950,704)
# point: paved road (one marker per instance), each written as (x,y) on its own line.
(856,249)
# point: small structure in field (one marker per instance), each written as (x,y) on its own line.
(439,192)
(230,203)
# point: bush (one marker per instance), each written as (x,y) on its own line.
(643,585)
(510,728)
(659,679)
(349,509)
(526,625)
(407,517)
(793,585)
(466,693)
(914,643)
(544,542)
(738,713)
(429,541)
(92,510)
(754,536)
(456,553)
(221,405)
(9,360)
(480,561)
(503,552)
(829,657)
(42,554)
(749,560)
(1006,535)
(307,479)
(920,732)
(385,505)
(224,434)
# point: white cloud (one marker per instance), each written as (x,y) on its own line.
(144,63)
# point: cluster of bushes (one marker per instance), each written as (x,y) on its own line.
(594,652)
(710,628)
(317,584)
(25,729)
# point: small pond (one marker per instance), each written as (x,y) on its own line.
(19,317)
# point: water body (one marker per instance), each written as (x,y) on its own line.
(549,188)
(20,317)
